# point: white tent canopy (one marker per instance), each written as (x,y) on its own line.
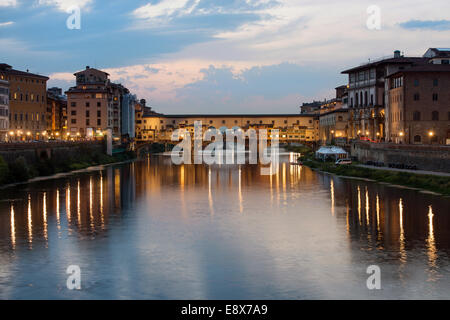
(331,152)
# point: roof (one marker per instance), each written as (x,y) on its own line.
(437,53)
(334,111)
(423,68)
(9,70)
(88,68)
(230,115)
(400,60)
(331,150)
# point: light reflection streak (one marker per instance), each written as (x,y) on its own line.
(402,232)
(367,207)
(44,211)
(102,217)
(13,227)
(332,196)
(359,205)
(68,212)
(91,200)
(431,242)
(210,197)
(58,212)
(241,208)
(30,222)
(79,203)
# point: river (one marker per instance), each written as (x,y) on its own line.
(152,230)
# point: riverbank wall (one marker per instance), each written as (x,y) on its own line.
(424,157)
(35,152)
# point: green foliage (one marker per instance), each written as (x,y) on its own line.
(4,171)
(20,171)
(427,182)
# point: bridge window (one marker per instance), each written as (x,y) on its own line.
(417,139)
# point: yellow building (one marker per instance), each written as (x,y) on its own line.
(292,127)
(27,103)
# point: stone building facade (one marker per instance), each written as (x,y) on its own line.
(419,99)
(27,103)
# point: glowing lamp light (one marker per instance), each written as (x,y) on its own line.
(28,133)
(401,134)
(431,133)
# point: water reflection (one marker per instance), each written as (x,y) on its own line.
(369,223)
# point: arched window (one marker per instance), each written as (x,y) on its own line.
(417,139)
(416,116)
(435,116)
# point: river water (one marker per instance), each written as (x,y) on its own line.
(153,230)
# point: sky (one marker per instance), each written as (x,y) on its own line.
(217,56)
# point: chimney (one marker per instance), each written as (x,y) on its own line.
(87,67)
(397,54)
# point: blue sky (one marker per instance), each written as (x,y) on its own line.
(189,56)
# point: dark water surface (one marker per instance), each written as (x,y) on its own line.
(152,230)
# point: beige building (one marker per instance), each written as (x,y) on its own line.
(89,104)
(419,99)
(292,128)
(27,103)
(4,109)
(334,127)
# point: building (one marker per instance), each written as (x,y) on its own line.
(303,128)
(438,55)
(89,104)
(367,94)
(4,109)
(56,113)
(128,120)
(419,98)
(27,103)
(334,127)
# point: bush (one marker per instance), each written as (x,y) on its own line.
(19,170)
(4,171)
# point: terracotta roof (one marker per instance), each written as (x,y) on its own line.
(230,115)
(400,60)
(424,68)
(9,70)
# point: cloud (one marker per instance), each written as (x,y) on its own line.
(166,9)
(63,5)
(8,3)
(439,25)
(5,24)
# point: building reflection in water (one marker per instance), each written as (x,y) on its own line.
(383,218)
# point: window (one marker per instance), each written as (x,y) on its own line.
(73,113)
(73,104)
(416,97)
(416,83)
(435,116)
(99,104)
(445,61)
(416,116)
(87,104)
(449,116)
(435,97)
(99,122)
(87,113)
(99,114)
(417,139)
(435,82)
(87,122)
(73,121)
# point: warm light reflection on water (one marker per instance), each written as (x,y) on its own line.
(222,231)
